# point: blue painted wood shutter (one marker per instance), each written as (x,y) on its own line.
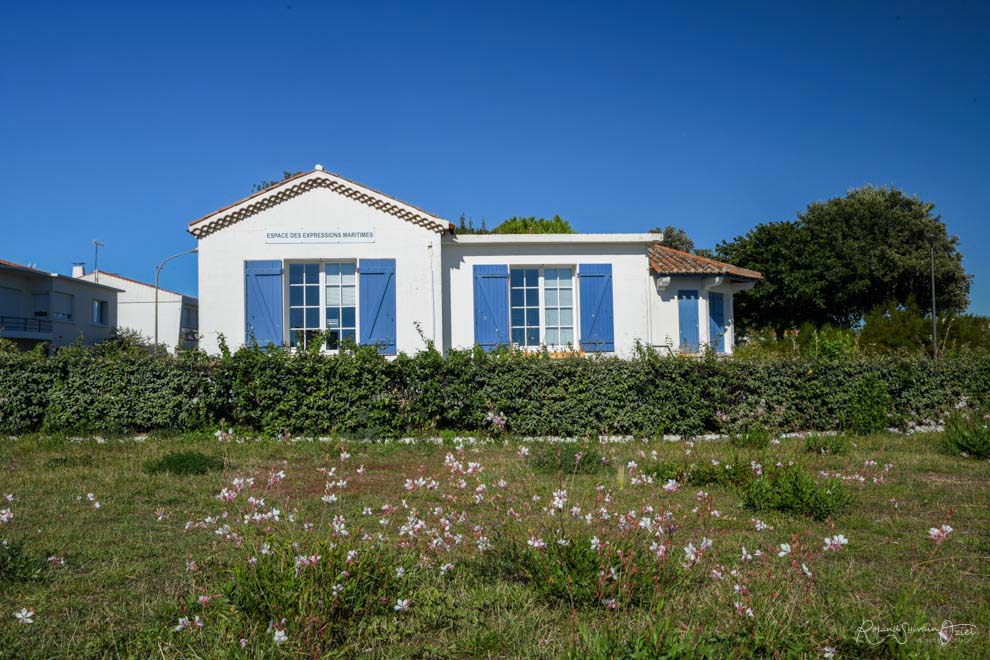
(263,302)
(716,321)
(376,306)
(491,306)
(687,308)
(597,315)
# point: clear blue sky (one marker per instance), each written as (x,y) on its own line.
(123,123)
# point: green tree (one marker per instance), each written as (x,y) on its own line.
(268,183)
(845,257)
(532,225)
(678,239)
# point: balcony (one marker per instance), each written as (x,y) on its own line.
(23,327)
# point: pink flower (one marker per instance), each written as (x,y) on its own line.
(835,543)
(938,534)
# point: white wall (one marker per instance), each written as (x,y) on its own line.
(416,252)
(631,283)
(665,310)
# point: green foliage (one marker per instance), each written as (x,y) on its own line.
(19,565)
(833,445)
(967,431)
(751,437)
(791,489)
(702,474)
(843,258)
(868,406)
(675,238)
(264,184)
(566,457)
(359,393)
(185,462)
(532,225)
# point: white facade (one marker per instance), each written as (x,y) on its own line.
(37,306)
(335,225)
(178,314)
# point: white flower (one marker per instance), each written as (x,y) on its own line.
(671,486)
(785,549)
(835,543)
(938,534)
(595,543)
(5,516)
(536,543)
(279,636)
(806,570)
(399,572)
(401,605)
(25,616)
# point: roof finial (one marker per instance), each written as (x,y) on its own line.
(318,167)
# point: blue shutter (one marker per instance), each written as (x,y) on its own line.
(687,303)
(716,321)
(263,302)
(491,306)
(597,316)
(376,306)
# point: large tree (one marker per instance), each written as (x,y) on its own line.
(532,225)
(678,239)
(845,257)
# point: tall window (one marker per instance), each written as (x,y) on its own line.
(304,304)
(558,293)
(341,304)
(100,312)
(554,327)
(524,290)
(62,304)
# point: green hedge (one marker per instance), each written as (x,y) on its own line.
(103,390)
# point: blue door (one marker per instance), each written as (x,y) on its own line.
(716,321)
(491,306)
(263,302)
(687,308)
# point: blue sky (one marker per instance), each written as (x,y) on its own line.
(123,122)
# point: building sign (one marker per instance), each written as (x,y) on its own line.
(319,235)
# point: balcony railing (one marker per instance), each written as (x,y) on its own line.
(24,324)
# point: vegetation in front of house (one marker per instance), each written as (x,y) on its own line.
(360,393)
(490,548)
(184,462)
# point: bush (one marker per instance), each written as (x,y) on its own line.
(566,457)
(791,489)
(702,474)
(834,445)
(19,565)
(751,438)
(869,405)
(184,462)
(967,431)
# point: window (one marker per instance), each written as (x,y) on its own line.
(41,304)
(341,304)
(556,301)
(304,304)
(100,309)
(524,296)
(322,298)
(190,318)
(62,306)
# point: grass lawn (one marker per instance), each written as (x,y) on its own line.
(445,550)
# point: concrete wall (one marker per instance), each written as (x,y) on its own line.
(416,251)
(665,312)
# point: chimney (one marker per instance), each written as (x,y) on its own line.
(79,269)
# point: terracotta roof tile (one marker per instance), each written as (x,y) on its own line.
(667,261)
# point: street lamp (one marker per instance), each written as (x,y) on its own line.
(158,271)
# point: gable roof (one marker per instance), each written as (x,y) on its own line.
(304,182)
(667,261)
(133,281)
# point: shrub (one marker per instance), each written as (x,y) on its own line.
(791,489)
(184,462)
(869,404)
(834,445)
(751,437)
(967,431)
(702,474)
(566,457)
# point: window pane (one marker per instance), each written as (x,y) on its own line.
(518,336)
(550,278)
(347,296)
(532,277)
(566,297)
(295,273)
(550,295)
(293,339)
(532,297)
(295,318)
(553,317)
(518,316)
(312,317)
(312,273)
(295,296)
(532,317)
(567,317)
(533,337)
(347,273)
(516,277)
(333,271)
(518,299)
(312,295)
(333,296)
(333,340)
(553,337)
(347,317)
(348,335)
(564,276)
(333,317)
(566,336)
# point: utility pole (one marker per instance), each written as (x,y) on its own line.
(96,260)
(934,318)
(158,271)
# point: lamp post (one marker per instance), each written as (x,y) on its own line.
(158,271)
(934,318)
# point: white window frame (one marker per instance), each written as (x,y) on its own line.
(99,305)
(286,293)
(541,284)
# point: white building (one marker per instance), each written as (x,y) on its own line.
(37,306)
(319,252)
(178,314)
